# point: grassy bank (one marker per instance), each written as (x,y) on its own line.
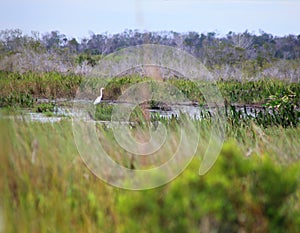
(21,89)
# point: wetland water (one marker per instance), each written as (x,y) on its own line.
(66,109)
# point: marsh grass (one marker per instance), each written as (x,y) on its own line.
(46,187)
(253,185)
(55,85)
(50,85)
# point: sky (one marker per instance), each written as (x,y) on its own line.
(79,18)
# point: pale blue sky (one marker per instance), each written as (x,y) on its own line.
(79,17)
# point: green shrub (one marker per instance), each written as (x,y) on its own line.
(44,108)
(17,100)
(237,194)
(103,112)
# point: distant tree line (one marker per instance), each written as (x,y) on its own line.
(232,51)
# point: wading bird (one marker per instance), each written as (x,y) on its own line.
(98,100)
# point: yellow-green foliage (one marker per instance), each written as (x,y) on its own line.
(57,193)
(55,85)
(238,194)
(42,85)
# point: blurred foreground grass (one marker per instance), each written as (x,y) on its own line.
(253,186)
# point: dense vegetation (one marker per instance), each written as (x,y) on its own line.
(253,186)
(57,193)
(56,85)
(272,102)
(233,56)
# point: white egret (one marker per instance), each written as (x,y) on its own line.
(98,100)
